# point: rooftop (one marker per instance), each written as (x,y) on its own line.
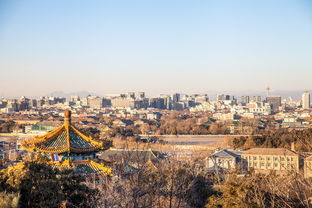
(65,138)
(270,151)
(129,155)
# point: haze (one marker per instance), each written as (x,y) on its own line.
(154,46)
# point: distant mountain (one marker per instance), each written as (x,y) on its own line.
(294,94)
(67,95)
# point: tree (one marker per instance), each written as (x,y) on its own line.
(40,185)
(238,142)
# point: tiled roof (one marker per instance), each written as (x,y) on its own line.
(224,154)
(65,138)
(129,155)
(270,151)
(83,167)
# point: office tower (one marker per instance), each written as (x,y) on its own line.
(275,102)
(168,103)
(257,99)
(74,99)
(305,100)
(139,95)
(131,95)
(176,97)
(220,97)
(96,102)
(156,103)
(229,97)
(245,99)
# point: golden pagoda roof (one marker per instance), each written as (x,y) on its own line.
(65,138)
(83,167)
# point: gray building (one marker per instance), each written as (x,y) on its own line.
(275,102)
(223,160)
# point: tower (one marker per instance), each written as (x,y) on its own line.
(305,100)
(268,91)
(67,147)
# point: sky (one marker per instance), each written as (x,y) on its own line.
(156,46)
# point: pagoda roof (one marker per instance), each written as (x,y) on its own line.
(83,167)
(65,138)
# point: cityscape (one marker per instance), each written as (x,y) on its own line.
(139,130)
(155,104)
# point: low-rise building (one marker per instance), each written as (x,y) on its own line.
(153,115)
(122,122)
(265,160)
(308,167)
(225,116)
(259,108)
(223,159)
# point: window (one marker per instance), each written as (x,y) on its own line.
(255,158)
(275,164)
(282,158)
(275,158)
(268,158)
(255,164)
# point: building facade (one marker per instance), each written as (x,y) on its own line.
(265,160)
(223,159)
(306,100)
(275,102)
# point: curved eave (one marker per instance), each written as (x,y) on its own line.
(99,169)
(60,150)
(35,145)
(45,138)
(88,139)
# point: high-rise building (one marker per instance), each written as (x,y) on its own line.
(176,97)
(96,102)
(131,95)
(139,95)
(168,102)
(74,98)
(257,99)
(157,103)
(220,97)
(245,100)
(275,102)
(305,100)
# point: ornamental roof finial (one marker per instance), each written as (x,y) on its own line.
(67,116)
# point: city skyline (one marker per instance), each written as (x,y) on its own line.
(155,104)
(295,94)
(212,95)
(156,47)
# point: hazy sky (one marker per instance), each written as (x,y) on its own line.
(154,46)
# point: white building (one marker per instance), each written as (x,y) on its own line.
(259,108)
(223,159)
(305,100)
